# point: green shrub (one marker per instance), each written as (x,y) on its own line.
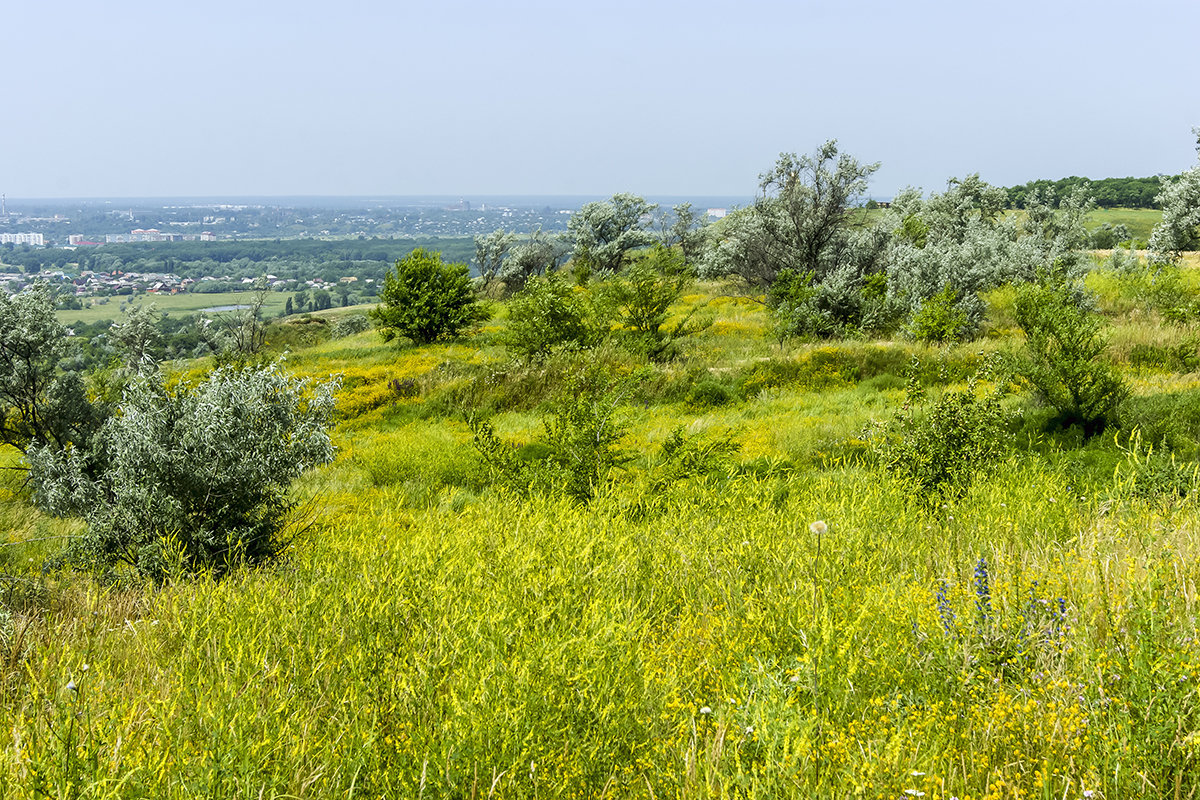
(940,319)
(1168,292)
(197,476)
(350,325)
(642,296)
(1065,345)
(940,447)
(425,299)
(578,448)
(710,394)
(549,313)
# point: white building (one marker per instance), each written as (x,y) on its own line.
(22,238)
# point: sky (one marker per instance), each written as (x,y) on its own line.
(385,98)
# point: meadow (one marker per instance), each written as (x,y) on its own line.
(114,308)
(794,622)
(1139,221)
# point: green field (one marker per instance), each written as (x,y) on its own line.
(114,308)
(432,632)
(1139,221)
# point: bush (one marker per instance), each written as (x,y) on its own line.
(550,313)
(426,299)
(578,448)
(710,394)
(843,303)
(1064,348)
(642,296)
(197,476)
(350,325)
(940,448)
(940,318)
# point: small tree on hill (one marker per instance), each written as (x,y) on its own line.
(1065,345)
(1179,230)
(40,404)
(196,475)
(426,299)
(605,232)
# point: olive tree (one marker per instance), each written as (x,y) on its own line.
(804,242)
(137,337)
(1179,230)
(686,229)
(194,476)
(801,220)
(490,250)
(951,246)
(604,232)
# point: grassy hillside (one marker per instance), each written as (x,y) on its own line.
(433,633)
(1139,221)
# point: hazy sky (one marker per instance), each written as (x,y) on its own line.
(358,97)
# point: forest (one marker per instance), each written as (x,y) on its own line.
(807,501)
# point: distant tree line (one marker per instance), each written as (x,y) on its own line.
(1105,193)
(291,258)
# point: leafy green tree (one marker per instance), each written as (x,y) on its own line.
(940,319)
(578,449)
(1065,345)
(426,299)
(549,313)
(40,404)
(642,295)
(605,232)
(196,475)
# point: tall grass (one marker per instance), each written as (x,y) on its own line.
(430,635)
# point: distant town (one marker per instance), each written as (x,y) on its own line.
(92,223)
(99,248)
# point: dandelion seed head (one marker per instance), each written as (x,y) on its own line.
(819,527)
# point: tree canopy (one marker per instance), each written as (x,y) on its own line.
(425,299)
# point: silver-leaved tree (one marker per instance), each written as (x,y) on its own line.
(192,477)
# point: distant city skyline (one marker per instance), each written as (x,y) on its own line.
(134,99)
